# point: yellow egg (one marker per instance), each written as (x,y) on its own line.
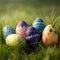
(15,40)
(49,35)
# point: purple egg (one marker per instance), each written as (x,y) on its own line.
(32,36)
(21,28)
(22,23)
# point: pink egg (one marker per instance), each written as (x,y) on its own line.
(21,28)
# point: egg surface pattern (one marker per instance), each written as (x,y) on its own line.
(39,24)
(21,28)
(32,36)
(49,35)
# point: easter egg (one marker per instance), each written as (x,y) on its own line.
(15,40)
(7,30)
(49,35)
(32,36)
(39,24)
(21,28)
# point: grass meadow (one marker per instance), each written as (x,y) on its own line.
(12,11)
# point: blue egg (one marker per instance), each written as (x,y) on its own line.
(39,24)
(7,30)
(39,20)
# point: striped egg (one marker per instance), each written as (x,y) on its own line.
(49,35)
(38,24)
(21,28)
(32,36)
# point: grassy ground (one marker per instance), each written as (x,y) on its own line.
(11,12)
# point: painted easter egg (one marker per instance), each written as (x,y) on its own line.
(15,40)
(7,30)
(21,28)
(49,35)
(39,24)
(32,36)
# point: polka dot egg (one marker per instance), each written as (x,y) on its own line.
(49,36)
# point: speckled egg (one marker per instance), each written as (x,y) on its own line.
(39,24)
(7,30)
(21,28)
(32,36)
(49,36)
(15,40)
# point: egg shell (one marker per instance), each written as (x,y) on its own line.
(7,30)
(32,36)
(21,28)
(39,24)
(49,35)
(15,40)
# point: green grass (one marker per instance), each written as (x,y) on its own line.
(12,12)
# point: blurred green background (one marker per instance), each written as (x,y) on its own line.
(12,11)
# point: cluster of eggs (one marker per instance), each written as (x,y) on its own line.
(30,34)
